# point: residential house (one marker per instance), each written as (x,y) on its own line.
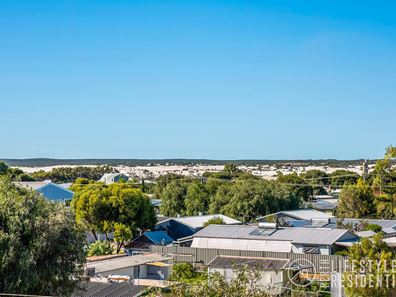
(272,271)
(149,238)
(182,227)
(300,217)
(49,190)
(269,237)
(109,178)
(145,266)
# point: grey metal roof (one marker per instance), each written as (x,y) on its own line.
(388,226)
(199,221)
(98,289)
(324,205)
(124,262)
(262,263)
(32,184)
(319,236)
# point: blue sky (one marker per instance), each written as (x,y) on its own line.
(197,79)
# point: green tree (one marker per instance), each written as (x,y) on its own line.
(371,258)
(197,199)
(42,249)
(247,283)
(122,233)
(3,168)
(99,248)
(102,208)
(252,198)
(173,198)
(317,179)
(343,177)
(214,221)
(297,185)
(356,201)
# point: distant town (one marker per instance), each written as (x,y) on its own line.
(291,227)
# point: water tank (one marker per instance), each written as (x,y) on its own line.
(266,225)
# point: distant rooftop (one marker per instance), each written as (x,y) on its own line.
(198,221)
(262,263)
(319,236)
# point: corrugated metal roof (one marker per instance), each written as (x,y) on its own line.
(124,262)
(367,233)
(33,185)
(320,236)
(98,289)
(306,214)
(324,205)
(262,263)
(388,226)
(198,221)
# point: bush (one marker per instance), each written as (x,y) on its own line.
(99,248)
(373,227)
(183,272)
(214,221)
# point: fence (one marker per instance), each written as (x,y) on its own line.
(330,263)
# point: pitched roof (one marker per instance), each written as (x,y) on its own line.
(262,263)
(388,226)
(198,221)
(306,214)
(124,262)
(33,184)
(39,185)
(319,236)
(158,237)
(324,205)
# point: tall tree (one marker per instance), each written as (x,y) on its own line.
(3,168)
(105,208)
(371,259)
(297,185)
(343,177)
(42,250)
(356,201)
(196,200)
(173,197)
(317,179)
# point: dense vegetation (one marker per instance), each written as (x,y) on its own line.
(70,174)
(57,175)
(371,259)
(236,194)
(42,250)
(375,196)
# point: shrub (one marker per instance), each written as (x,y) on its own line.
(373,227)
(99,248)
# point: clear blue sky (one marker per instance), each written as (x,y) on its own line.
(197,79)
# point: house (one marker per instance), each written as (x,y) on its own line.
(109,178)
(149,238)
(300,217)
(49,190)
(272,271)
(269,237)
(388,226)
(182,227)
(324,206)
(145,266)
